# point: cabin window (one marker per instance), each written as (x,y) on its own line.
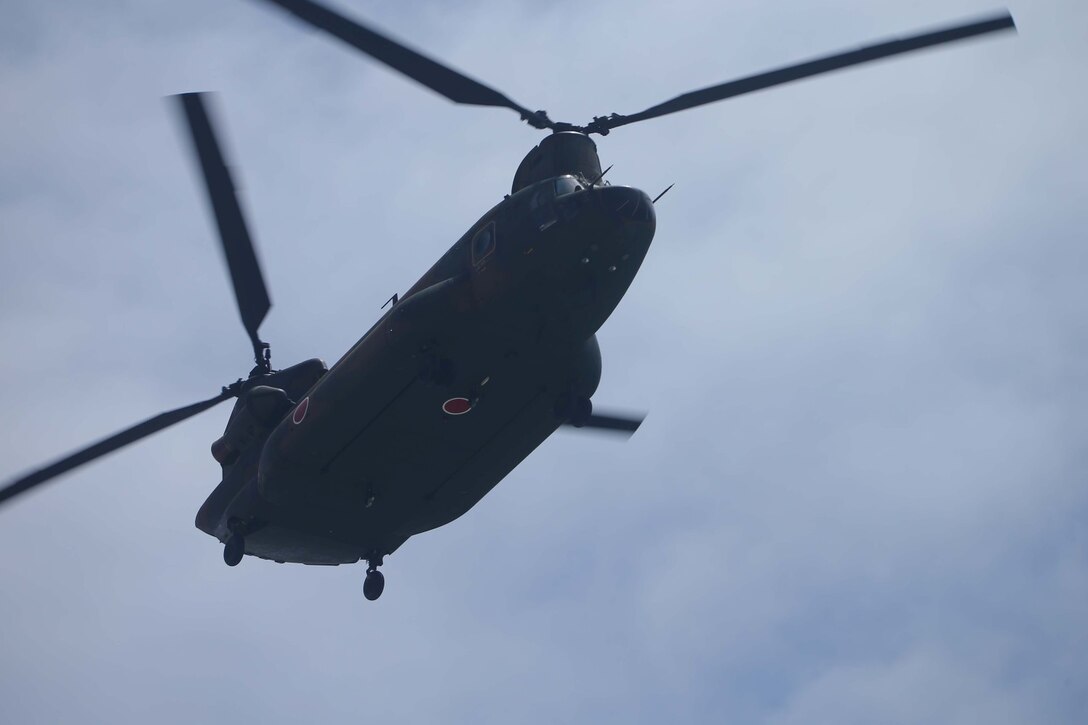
(483,244)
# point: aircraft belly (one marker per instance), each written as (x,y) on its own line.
(389,486)
(375,456)
(416,467)
(409,466)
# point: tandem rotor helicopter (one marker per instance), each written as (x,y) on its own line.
(464,375)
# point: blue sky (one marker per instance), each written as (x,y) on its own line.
(860,492)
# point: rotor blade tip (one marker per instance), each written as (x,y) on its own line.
(1005,20)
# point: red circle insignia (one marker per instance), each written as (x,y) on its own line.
(457,406)
(300,411)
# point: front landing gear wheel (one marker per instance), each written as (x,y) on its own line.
(234,549)
(374,584)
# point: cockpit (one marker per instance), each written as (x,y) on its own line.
(553,201)
(566,185)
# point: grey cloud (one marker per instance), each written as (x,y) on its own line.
(859,495)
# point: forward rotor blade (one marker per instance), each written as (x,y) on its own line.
(439,78)
(108,445)
(612,423)
(808,69)
(245,272)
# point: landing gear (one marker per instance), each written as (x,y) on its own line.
(374,584)
(235,548)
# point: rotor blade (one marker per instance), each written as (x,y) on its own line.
(807,69)
(108,445)
(611,423)
(439,78)
(245,272)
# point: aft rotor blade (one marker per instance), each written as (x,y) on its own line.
(245,272)
(808,69)
(108,445)
(439,78)
(612,423)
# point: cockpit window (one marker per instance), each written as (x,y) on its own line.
(483,244)
(566,185)
(542,209)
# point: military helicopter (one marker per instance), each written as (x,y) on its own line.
(479,362)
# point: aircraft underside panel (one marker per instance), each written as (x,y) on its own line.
(412,460)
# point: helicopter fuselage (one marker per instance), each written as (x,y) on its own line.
(460,380)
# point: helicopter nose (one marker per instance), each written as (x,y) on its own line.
(628,203)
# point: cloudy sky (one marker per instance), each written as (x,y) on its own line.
(860,495)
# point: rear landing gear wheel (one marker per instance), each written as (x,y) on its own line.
(234,549)
(374,584)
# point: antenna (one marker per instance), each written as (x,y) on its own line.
(666,191)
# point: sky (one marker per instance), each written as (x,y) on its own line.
(859,495)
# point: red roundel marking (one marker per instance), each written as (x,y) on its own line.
(300,411)
(457,406)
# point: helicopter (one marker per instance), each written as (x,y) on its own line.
(481,360)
